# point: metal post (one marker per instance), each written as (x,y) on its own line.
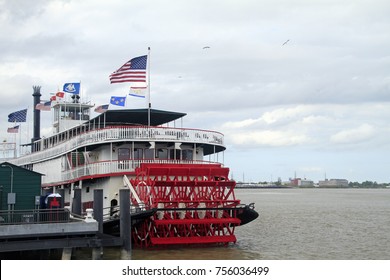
(61,192)
(125,223)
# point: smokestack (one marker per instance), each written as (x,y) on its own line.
(37,116)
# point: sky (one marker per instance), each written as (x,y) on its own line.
(298,87)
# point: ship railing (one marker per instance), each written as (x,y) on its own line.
(55,145)
(34,216)
(112,212)
(113,167)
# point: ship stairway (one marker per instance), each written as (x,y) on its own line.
(195,204)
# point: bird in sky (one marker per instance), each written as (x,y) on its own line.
(286,42)
(206,47)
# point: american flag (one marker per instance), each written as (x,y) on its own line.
(14,129)
(18,116)
(101,108)
(132,71)
(45,106)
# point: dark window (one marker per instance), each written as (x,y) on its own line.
(174,154)
(138,153)
(123,154)
(162,153)
(187,154)
(149,154)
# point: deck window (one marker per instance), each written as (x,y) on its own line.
(123,157)
(187,154)
(174,154)
(123,154)
(138,153)
(149,153)
(162,153)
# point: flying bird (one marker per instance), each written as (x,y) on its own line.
(285,43)
(207,47)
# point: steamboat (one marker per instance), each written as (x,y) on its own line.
(176,176)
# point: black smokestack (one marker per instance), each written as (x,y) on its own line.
(37,115)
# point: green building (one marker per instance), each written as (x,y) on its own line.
(19,187)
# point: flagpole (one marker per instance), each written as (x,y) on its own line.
(20,138)
(149,99)
(16,146)
(80,110)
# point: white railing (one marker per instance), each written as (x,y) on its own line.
(112,134)
(110,168)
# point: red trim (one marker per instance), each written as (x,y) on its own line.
(213,221)
(193,240)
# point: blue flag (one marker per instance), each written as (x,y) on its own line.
(118,100)
(72,88)
(18,116)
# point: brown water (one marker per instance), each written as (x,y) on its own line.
(297,224)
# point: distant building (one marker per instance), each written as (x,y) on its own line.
(298,182)
(332,183)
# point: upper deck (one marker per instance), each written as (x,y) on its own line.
(213,142)
(122,126)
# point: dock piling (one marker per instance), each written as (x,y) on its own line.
(125,223)
(67,253)
(98,208)
(76,205)
(97,253)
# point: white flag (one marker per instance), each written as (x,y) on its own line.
(138,91)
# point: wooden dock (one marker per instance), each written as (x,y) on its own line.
(47,229)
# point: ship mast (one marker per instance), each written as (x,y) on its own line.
(149,99)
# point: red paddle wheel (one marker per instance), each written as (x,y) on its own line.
(194,203)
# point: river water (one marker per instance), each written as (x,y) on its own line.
(297,224)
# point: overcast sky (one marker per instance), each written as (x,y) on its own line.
(318,104)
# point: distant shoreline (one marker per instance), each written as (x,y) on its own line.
(310,187)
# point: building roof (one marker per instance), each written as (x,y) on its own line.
(137,117)
(18,168)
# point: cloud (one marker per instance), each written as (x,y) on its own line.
(269,138)
(310,126)
(354,135)
(324,93)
